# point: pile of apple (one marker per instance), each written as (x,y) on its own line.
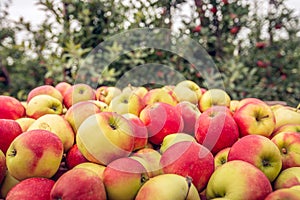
(175,142)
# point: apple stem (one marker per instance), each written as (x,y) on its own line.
(13,153)
(189,183)
(283,150)
(260,118)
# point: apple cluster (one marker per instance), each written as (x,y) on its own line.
(173,142)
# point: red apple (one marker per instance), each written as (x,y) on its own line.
(159,95)
(74,157)
(46,90)
(62,87)
(284,193)
(2,166)
(9,130)
(287,178)
(11,108)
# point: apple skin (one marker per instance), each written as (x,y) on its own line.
(9,130)
(286,128)
(58,125)
(98,169)
(214,97)
(2,166)
(233,105)
(140,132)
(221,157)
(35,153)
(260,152)
(35,188)
(74,157)
(284,193)
(188,90)
(25,122)
(107,93)
(216,129)
(8,183)
(255,118)
(88,186)
(123,178)
(78,112)
(104,137)
(161,119)
(236,179)
(287,178)
(169,140)
(189,113)
(45,90)
(11,108)
(289,145)
(286,115)
(43,104)
(168,186)
(159,95)
(189,159)
(62,87)
(77,93)
(245,101)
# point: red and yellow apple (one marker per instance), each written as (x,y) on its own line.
(214,97)
(9,130)
(11,108)
(45,90)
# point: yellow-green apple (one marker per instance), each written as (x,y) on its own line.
(45,90)
(168,187)
(107,93)
(11,108)
(78,112)
(189,159)
(289,145)
(161,119)
(255,118)
(189,113)
(216,129)
(287,178)
(149,158)
(284,193)
(140,132)
(8,183)
(233,105)
(62,87)
(43,104)
(159,95)
(188,90)
(214,97)
(58,125)
(140,90)
(98,169)
(286,128)
(2,166)
(35,188)
(123,178)
(169,140)
(238,180)
(79,184)
(221,157)
(74,157)
(35,153)
(104,137)
(286,115)
(9,130)
(258,151)
(25,122)
(77,93)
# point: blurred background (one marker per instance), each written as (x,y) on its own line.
(254,43)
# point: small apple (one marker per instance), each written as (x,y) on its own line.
(159,95)
(214,97)
(9,130)
(45,90)
(11,108)
(74,157)
(221,157)
(35,188)
(62,87)
(287,178)
(35,153)
(260,152)
(78,184)
(188,91)
(25,122)
(169,140)
(107,93)
(98,169)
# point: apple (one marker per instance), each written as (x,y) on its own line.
(2,166)
(79,183)
(245,101)
(189,113)
(123,178)
(58,125)
(289,145)
(35,188)
(104,137)
(98,169)
(74,157)
(188,90)
(221,157)
(233,105)
(9,130)
(107,93)
(43,104)
(159,95)
(101,105)
(35,153)
(8,183)
(216,129)
(258,151)
(62,87)
(78,112)
(161,119)
(77,93)
(255,118)
(11,108)
(286,115)
(284,193)
(189,159)
(45,90)
(287,178)
(25,122)
(169,140)
(168,186)
(286,128)
(214,97)
(238,180)
(140,132)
